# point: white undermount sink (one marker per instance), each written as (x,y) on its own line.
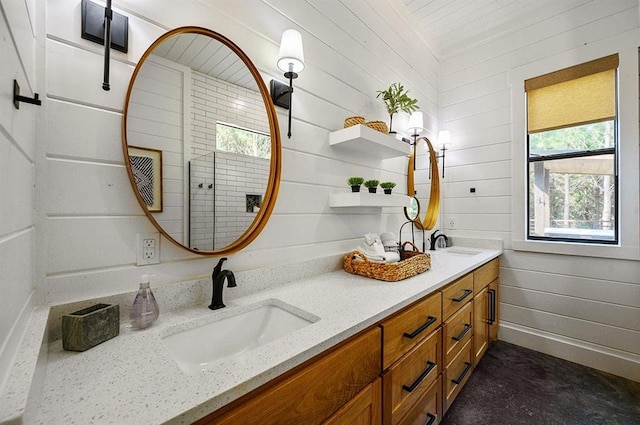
(462,251)
(197,346)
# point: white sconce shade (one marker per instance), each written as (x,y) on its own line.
(291,58)
(444,138)
(416,123)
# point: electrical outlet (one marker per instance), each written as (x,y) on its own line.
(452,222)
(148,251)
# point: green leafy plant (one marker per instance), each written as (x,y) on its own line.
(387,187)
(396,99)
(371,184)
(355,181)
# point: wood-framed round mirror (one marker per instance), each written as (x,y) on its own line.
(431,217)
(201,142)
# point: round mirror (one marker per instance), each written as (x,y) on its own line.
(431,217)
(412,212)
(201,142)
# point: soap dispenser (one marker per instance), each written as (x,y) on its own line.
(144,310)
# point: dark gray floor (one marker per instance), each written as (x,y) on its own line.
(515,386)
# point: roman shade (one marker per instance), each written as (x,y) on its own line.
(577,95)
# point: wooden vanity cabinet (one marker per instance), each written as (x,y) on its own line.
(408,370)
(458,333)
(408,379)
(485,316)
(312,393)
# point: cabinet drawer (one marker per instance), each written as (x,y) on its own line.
(457,373)
(428,410)
(313,393)
(458,330)
(410,326)
(485,274)
(456,295)
(408,379)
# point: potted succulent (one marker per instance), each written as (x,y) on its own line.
(355,183)
(372,185)
(387,186)
(396,99)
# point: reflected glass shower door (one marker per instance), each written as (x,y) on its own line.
(202,202)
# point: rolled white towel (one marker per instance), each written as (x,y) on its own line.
(385,257)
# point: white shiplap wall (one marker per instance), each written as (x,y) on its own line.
(17,174)
(91,210)
(584,309)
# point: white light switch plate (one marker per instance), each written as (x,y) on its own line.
(148,249)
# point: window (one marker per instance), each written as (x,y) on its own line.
(572,187)
(230,138)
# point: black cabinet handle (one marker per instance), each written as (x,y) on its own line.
(467,328)
(430,321)
(430,366)
(431,418)
(492,306)
(464,372)
(467,292)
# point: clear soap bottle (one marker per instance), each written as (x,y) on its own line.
(144,310)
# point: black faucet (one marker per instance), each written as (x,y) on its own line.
(433,239)
(218,277)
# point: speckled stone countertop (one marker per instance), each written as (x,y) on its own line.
(132,379)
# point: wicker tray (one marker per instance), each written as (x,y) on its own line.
(356,263)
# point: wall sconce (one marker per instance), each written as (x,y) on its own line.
(103,26)
(291,61)
(444,140)
(416,126)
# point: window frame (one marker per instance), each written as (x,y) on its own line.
(582,154)
(248,130)
(628,182)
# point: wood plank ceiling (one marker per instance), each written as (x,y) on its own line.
(455,24)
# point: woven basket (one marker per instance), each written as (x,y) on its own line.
(380,126)
(353,120)
(404,253)
(356,263)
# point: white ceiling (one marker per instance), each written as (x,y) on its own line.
(455,24)
(208,56)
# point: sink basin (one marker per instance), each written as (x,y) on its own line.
(197,346)
(462,251)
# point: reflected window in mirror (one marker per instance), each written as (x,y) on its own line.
(234,139)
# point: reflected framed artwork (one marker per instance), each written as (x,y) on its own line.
(146,165)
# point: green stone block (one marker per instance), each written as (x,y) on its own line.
(90,326)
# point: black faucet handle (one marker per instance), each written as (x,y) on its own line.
(218,268)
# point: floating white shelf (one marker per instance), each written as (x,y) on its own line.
(367,141)
(366,199)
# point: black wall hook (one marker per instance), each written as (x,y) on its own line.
(17,98)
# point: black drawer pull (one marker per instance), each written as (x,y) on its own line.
(430,366)
(467,292)
(464,372)
(466,330)
(492,306)
(430,321)
(431,418)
